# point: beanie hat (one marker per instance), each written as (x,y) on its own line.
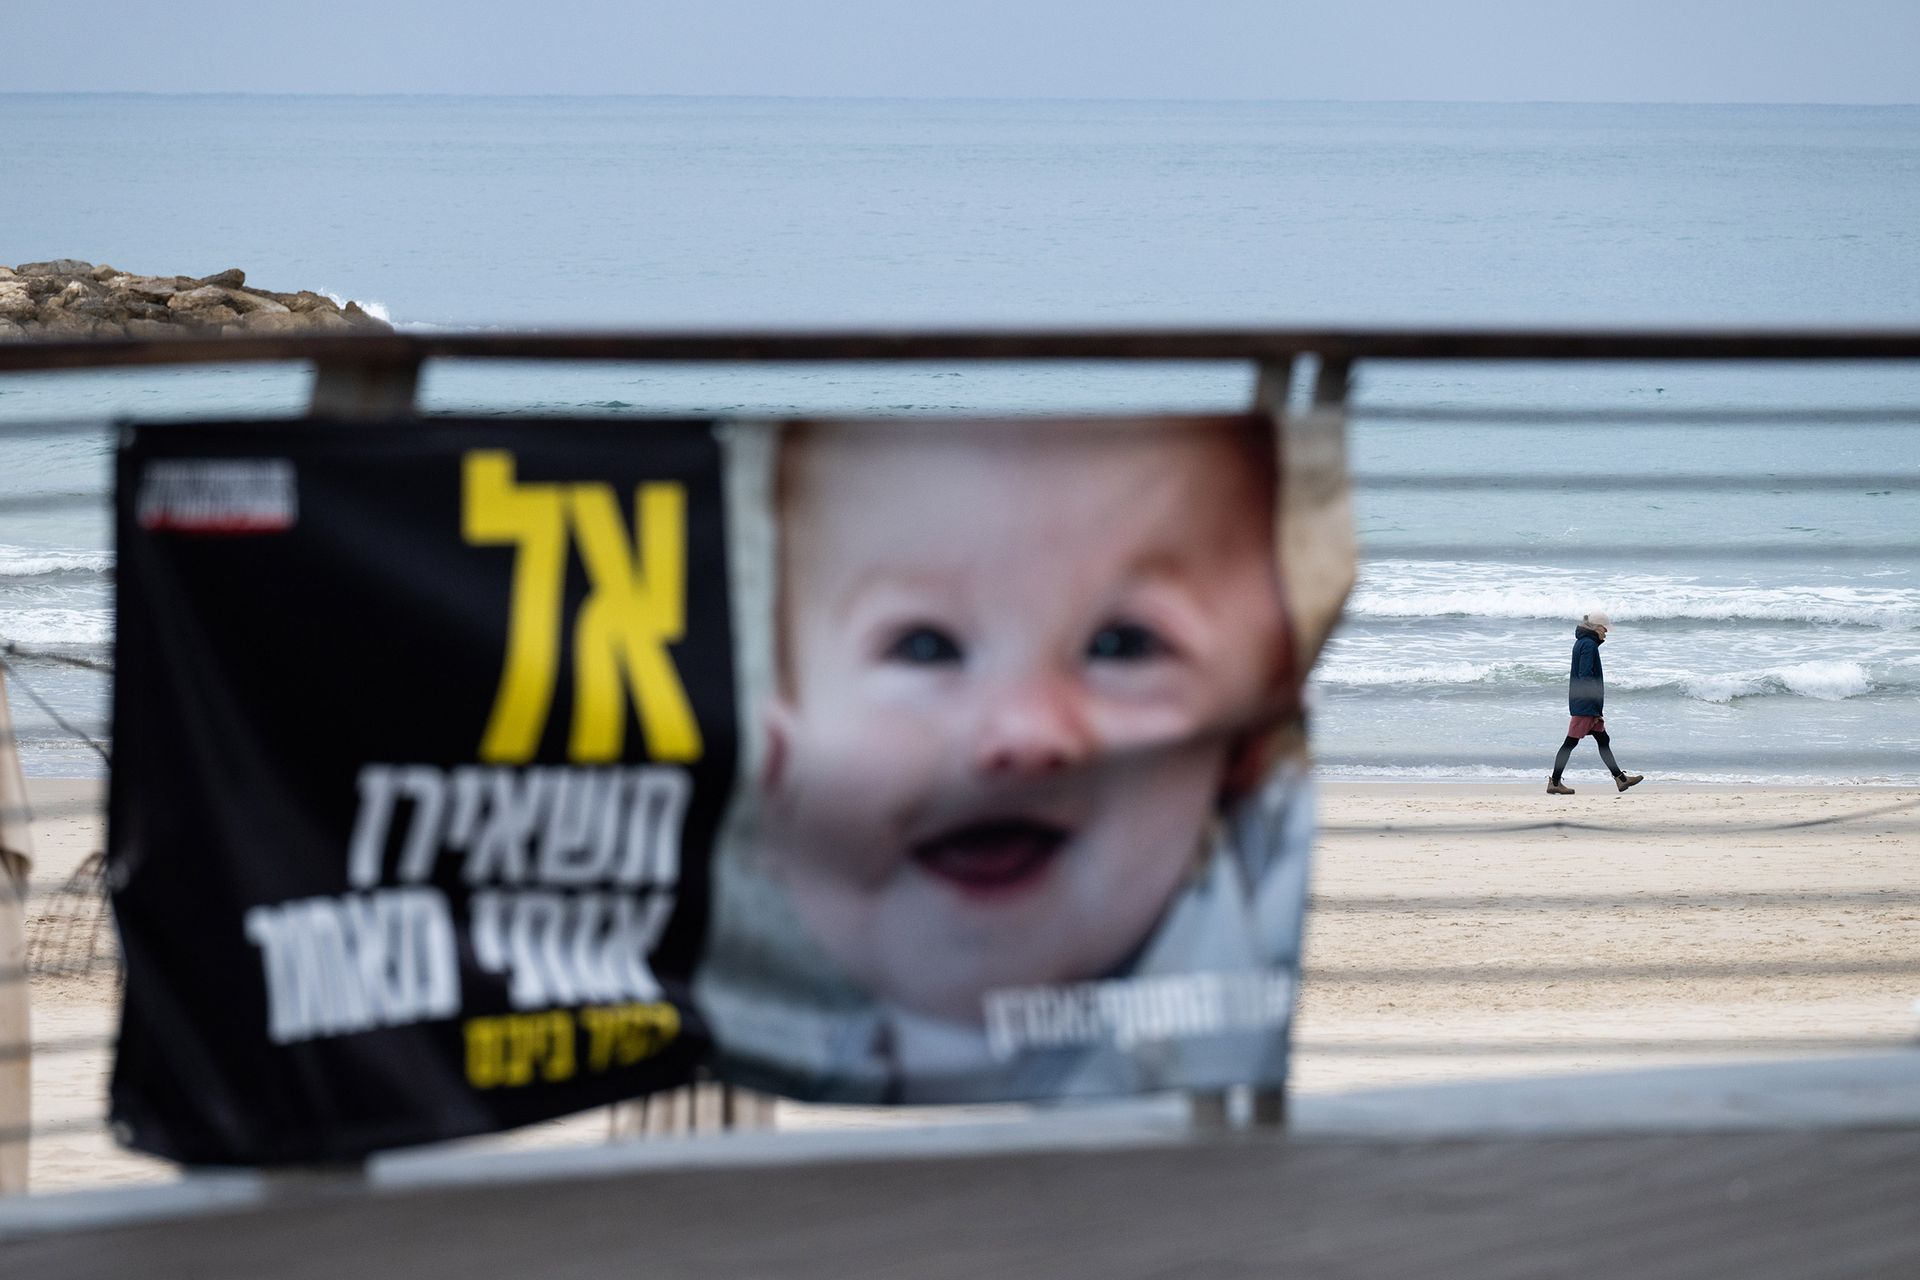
(1596,619)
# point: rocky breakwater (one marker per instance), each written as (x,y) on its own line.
(67,299)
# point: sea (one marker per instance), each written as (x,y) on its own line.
(1753,532)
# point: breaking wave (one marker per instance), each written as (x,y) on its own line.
(30,562)
(1514,592)
(57,628)
(1828,680)
(378,310)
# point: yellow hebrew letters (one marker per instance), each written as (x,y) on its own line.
(497,510)
(633,612)
(635,608)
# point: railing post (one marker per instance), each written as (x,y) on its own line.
(16,1029)
(1269,1109)
(1318,552)
(1207,1112)
(1272,383)
(383,389)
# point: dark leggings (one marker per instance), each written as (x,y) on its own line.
(1600,740)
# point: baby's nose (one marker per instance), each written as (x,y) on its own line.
(1035,729)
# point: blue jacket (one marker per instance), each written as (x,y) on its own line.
(1586,688)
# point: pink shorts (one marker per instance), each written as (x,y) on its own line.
(1581,726)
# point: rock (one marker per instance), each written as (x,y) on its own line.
(11,332)
(58,267)
(248,303)
(73,295)
(93,305)
(360,319)
(150,288)
(282,321)
(65,325)
(66,299)
(307,300)
(212,317)
(200,299)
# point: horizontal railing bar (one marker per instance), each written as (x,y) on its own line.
(30,503)
(1330,683)
(71,733)
(44,428)
(1662,831)
(1617,481)
(1621,552)
(1495,481)
(1561,824)
(1795,419)
(1681,900)
(1612,970)
(12,650)
(53,809)
(70,1044)
(1575,1043)
(48,1128)
(761,346)
(1670,762)
(1510,416)
(26,972)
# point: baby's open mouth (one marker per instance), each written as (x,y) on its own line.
(992,857)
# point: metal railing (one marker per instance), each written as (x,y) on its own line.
(378,376)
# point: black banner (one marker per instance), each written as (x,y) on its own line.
(422,732)
(469,773)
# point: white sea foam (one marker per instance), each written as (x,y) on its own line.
(1405,589)
(34,562)
(378,310)
(55,628)
(1365,675)
(1830,680)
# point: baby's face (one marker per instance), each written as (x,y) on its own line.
(1017,658)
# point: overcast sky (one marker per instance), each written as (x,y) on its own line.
(1843,51)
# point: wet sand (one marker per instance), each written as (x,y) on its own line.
(1459,931)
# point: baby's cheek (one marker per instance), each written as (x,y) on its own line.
(880,746)
(856,781)
(1149,716)
(1155,812)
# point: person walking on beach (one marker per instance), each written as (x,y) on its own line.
(1586,693)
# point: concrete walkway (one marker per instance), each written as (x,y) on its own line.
(1779,1169)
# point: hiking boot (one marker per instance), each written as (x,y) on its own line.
(1557,788)
(1625,780)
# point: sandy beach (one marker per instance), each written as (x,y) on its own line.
(1459,931)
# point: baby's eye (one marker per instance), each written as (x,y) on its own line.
(1126,642)
(923,646)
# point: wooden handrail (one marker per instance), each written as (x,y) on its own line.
(401,350)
